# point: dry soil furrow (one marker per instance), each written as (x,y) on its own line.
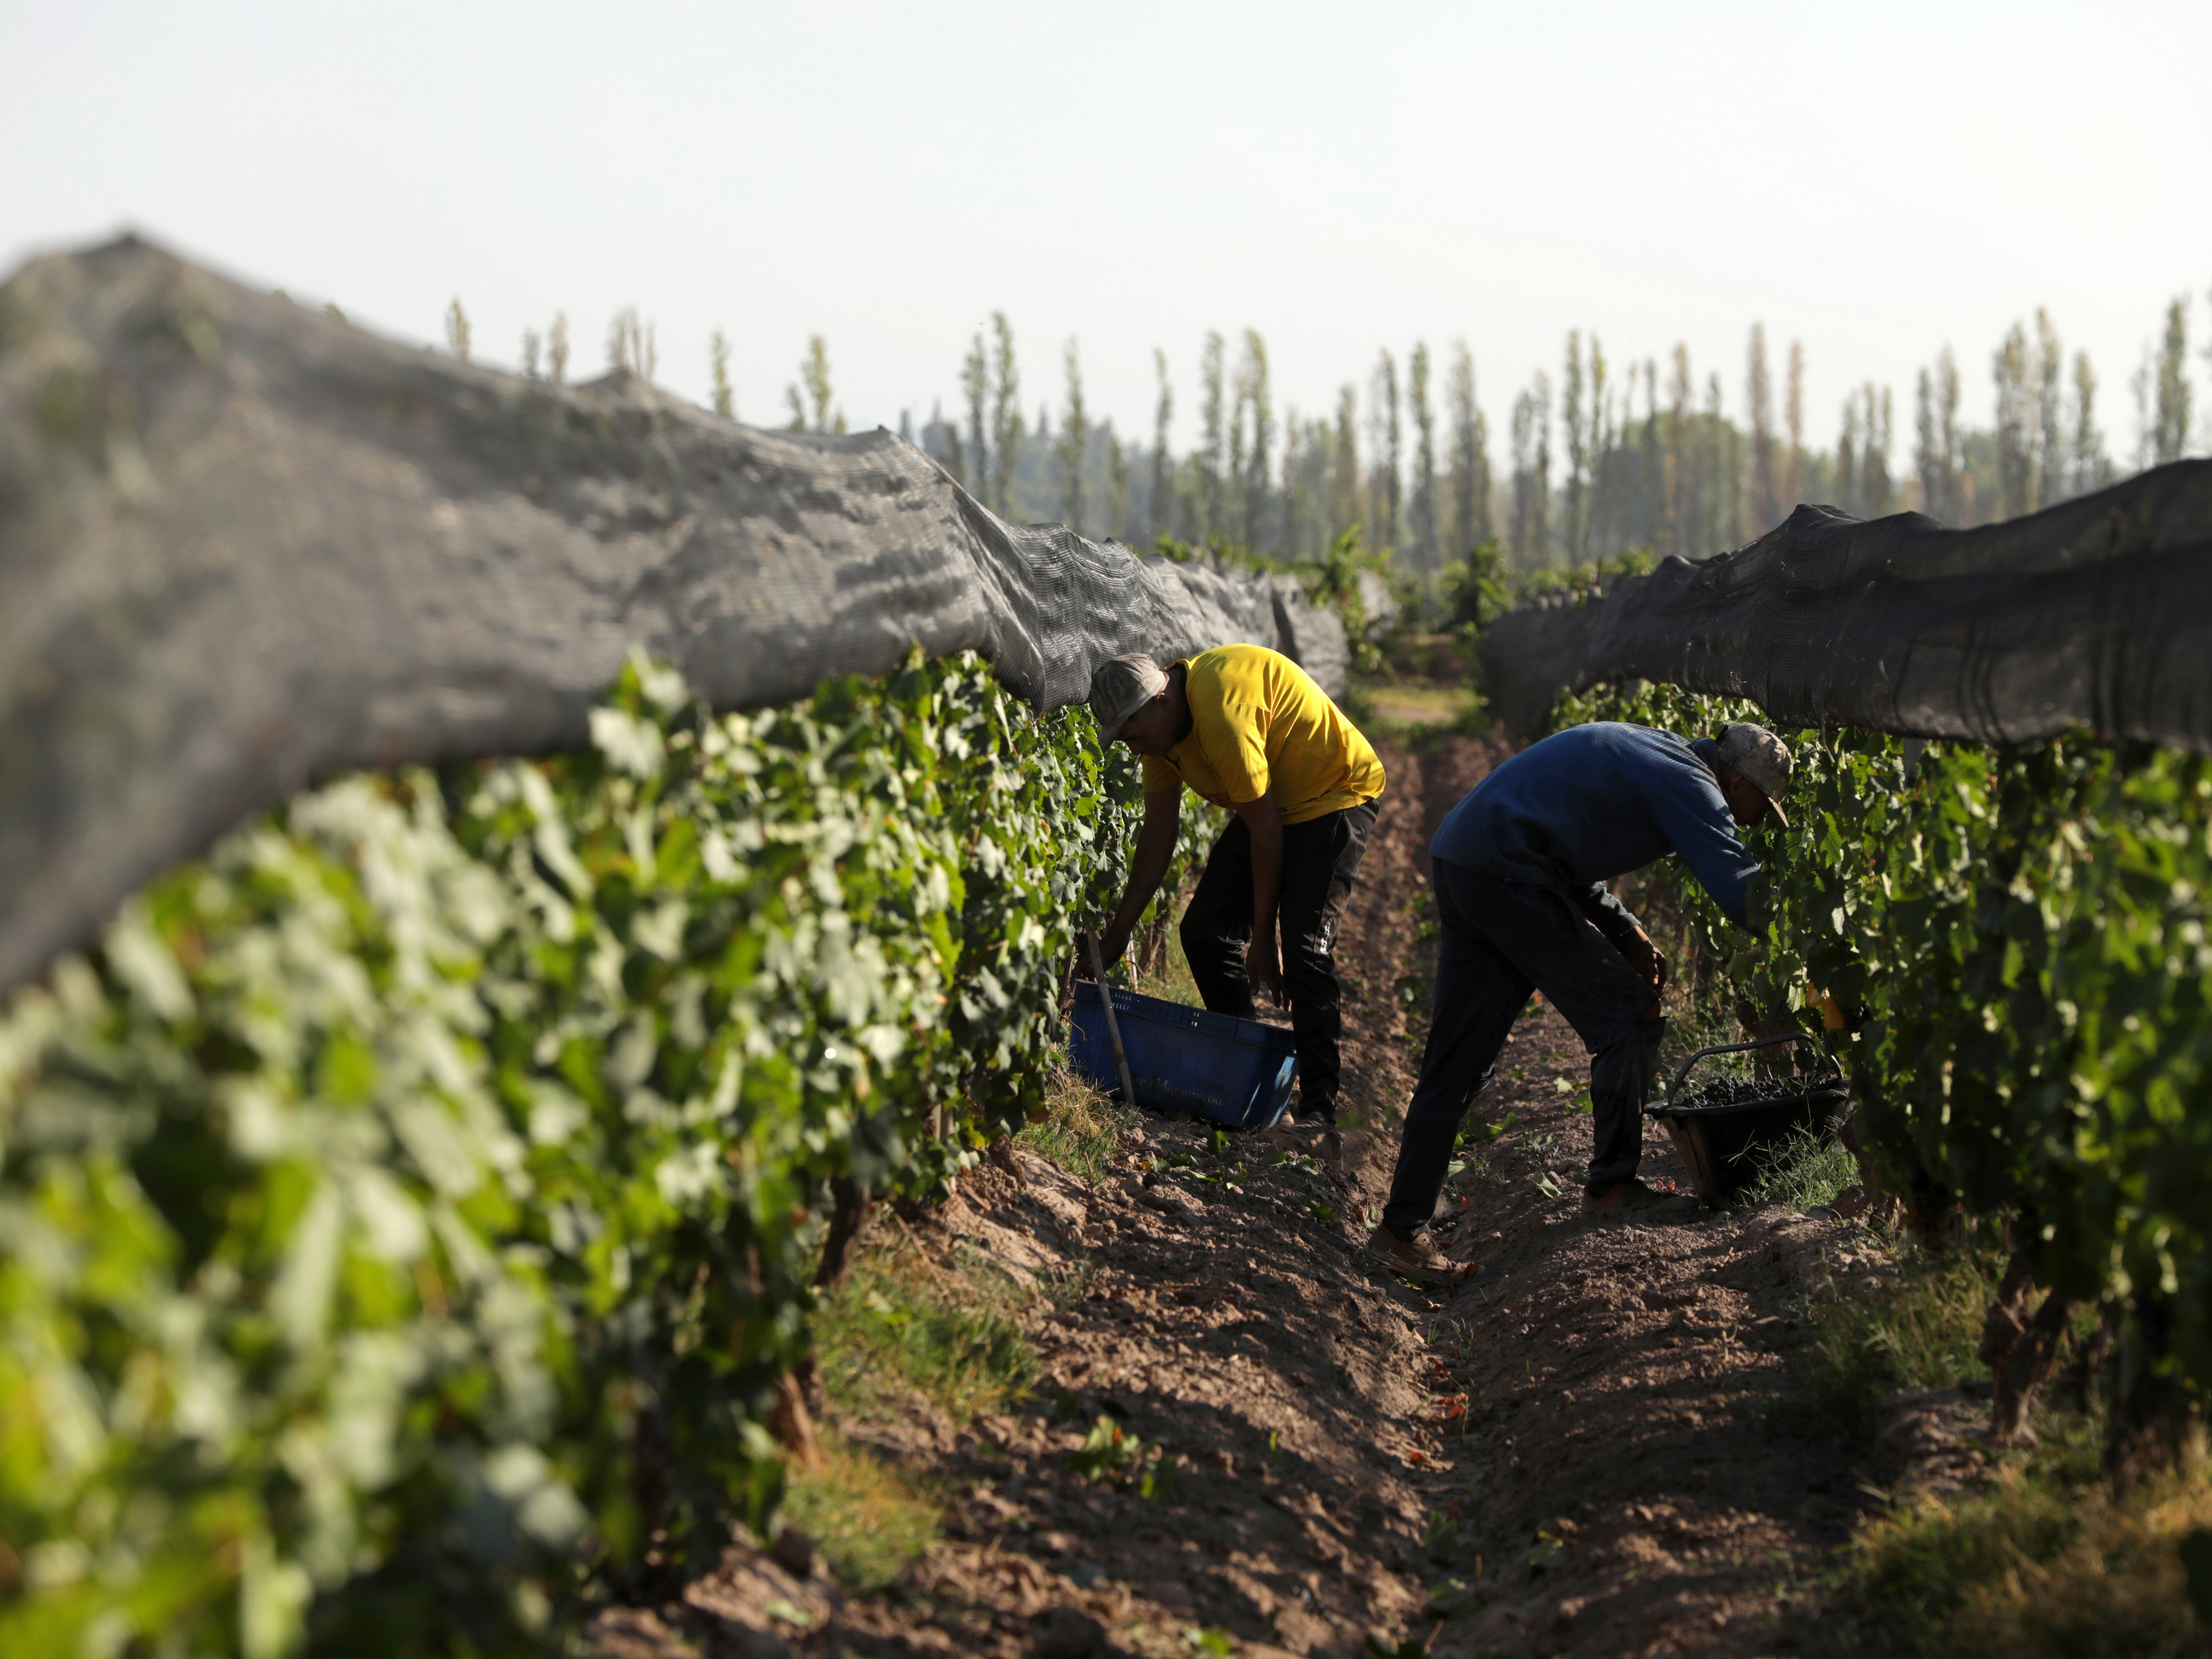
(1591,1412)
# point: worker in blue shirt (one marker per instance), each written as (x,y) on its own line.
(1519,872)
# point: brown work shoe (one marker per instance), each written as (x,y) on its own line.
(1633,1198)
(1421,1261)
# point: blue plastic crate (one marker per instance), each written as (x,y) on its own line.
(1232,1070)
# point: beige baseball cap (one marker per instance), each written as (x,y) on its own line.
(1761,759)
(1120,686)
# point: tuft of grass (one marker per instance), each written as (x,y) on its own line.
(1922,1330)
(902,1325)
(868,1517)
(1808,1168)
(1081,1128)
(1171,981)
(1417,708)
(2041,1562)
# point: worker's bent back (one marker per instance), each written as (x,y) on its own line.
(1257,720)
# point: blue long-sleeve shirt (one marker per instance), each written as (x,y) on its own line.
(1596,801)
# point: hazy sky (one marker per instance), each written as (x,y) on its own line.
(1876,179)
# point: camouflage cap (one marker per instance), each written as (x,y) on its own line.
(1760,759)
(1120,686)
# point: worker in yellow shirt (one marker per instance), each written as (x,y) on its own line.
(1247,728)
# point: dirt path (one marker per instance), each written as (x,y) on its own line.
(1581,1439)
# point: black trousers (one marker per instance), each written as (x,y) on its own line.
(1321,861)
(1500,941)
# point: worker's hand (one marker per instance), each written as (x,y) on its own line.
(1645,958)
(1263,961)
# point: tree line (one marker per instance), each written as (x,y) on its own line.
(1602,460)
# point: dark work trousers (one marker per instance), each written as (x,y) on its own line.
(1320,860)
(1500,941)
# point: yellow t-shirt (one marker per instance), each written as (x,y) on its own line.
(1258,719)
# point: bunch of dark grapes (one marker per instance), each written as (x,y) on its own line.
(1739,1090)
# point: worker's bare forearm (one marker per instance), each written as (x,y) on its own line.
(1156,843)
(1265,825)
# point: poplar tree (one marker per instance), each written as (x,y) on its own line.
(1602,438)
(1951,436)
(1720,467)
(457,333)
(1117,486)
(1213,437)
(1344,480)
(2140,383)
(1793,464)
(2050,444)
(1875,487)
(1570,418)
(1758,407)
(1927,461)
(1682,480)
(2015,373)
(1936,455)
(810,398)
(1532,474)
(531,345)
(718,356)
(630,344)
(1259,399)
(1159,518)
(1651,504)
(557,348)
(1847,460)
(1317,468)
(1424,523)
(1294,495)
(955,459)
(1074,439)
(976,386)
(1470,460)
(2171,433)
(2091,470)
(1233,507)
(1005,415)
(1385,481)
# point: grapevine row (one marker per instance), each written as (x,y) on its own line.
(410,1205)
(2021,937)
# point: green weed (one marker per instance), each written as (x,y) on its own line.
(867,1518)
(1470,1168)
(1081,1128)
(1921,1331)
(1454,1598)
(1441,1536)
(1472,1148)
(1808,1168)
(1111,1454)
(900,1324)
(1420,712)
(2041,1561)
